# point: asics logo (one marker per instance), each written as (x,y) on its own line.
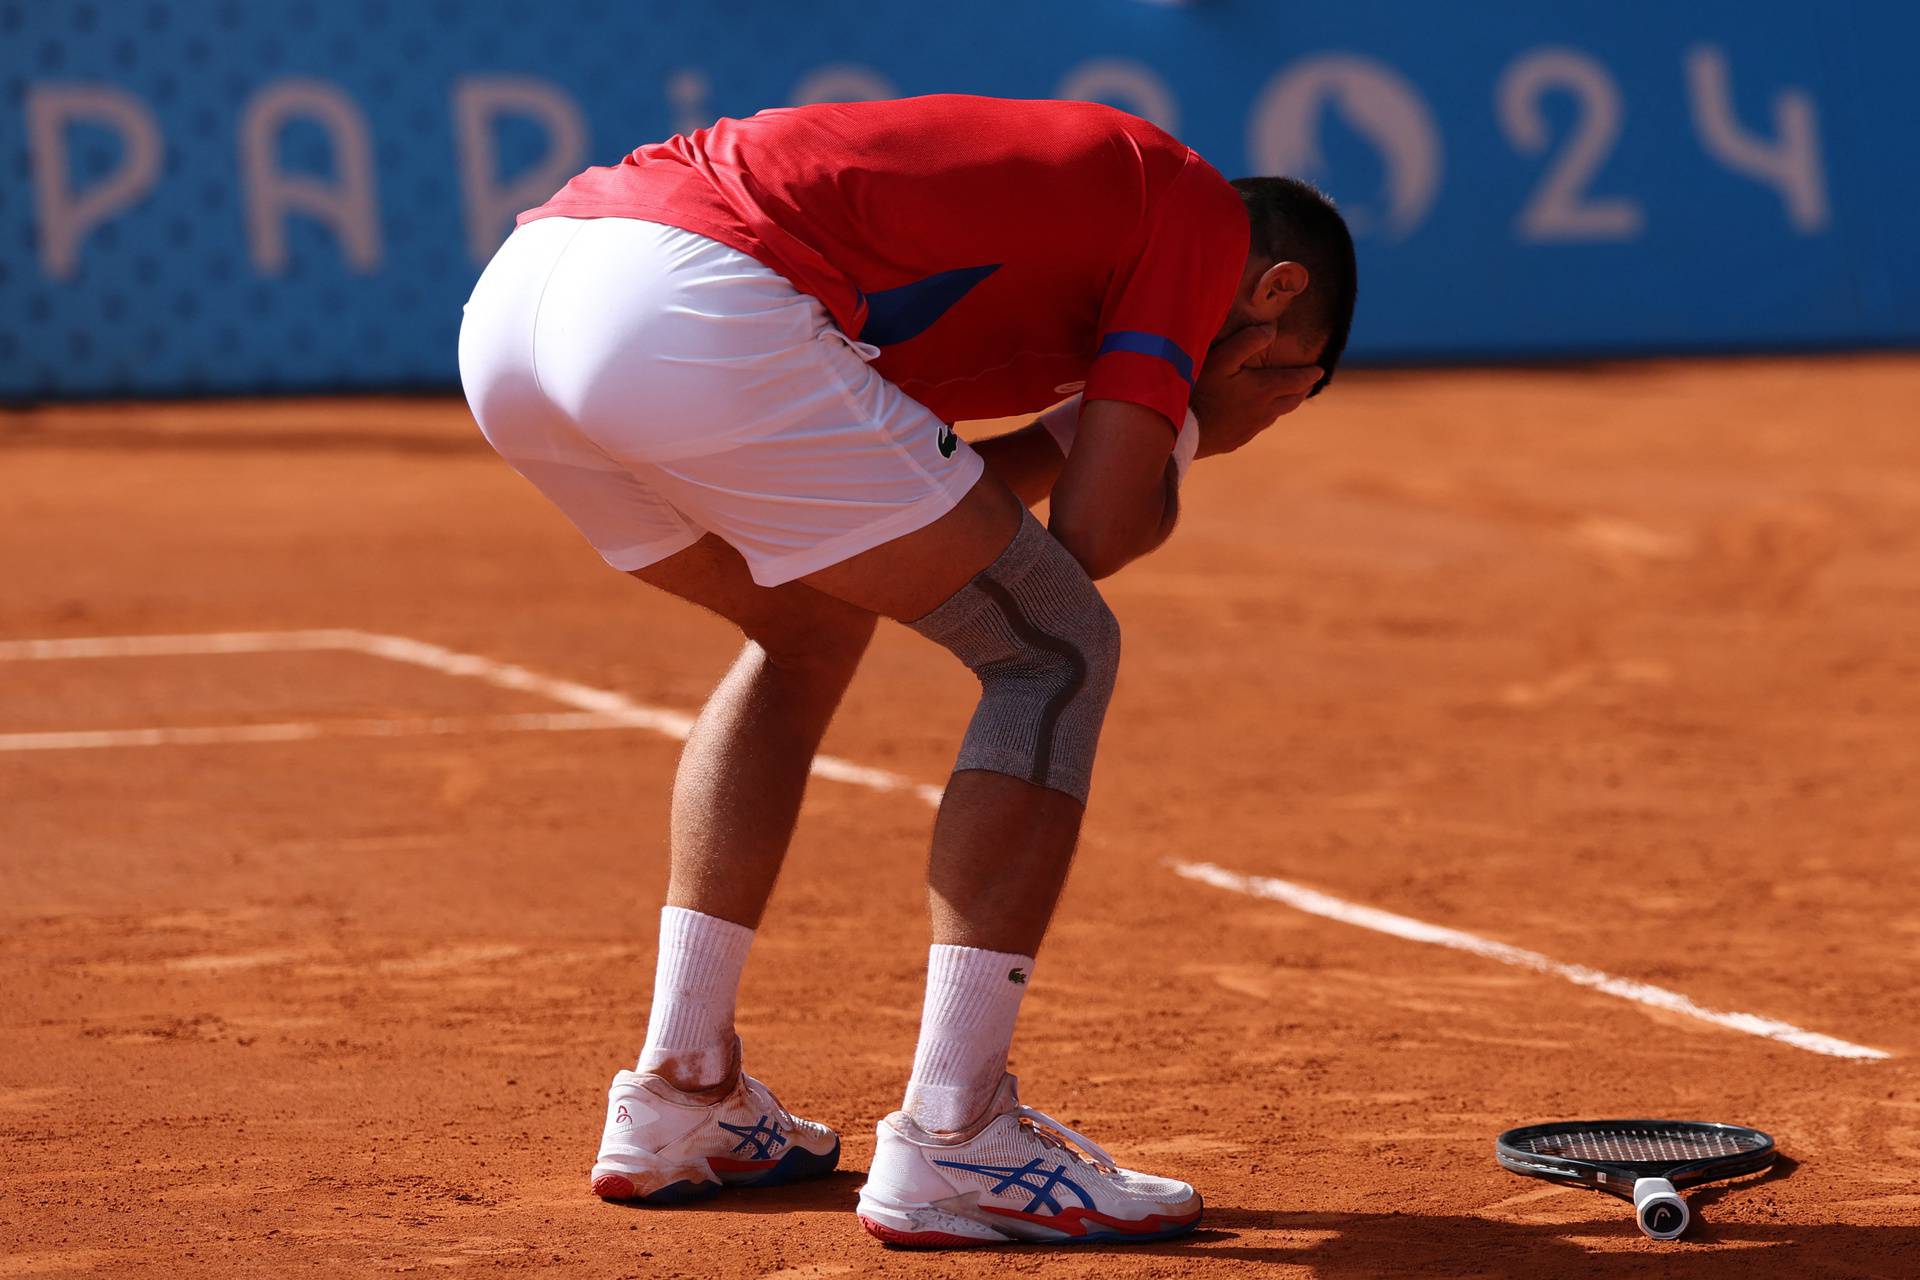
(1040,1183)
(764,1138)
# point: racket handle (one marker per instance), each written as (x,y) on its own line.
(1658,1208)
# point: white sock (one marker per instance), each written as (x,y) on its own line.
(966,1028)
(690,1028)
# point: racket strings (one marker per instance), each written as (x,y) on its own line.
(1632,1146)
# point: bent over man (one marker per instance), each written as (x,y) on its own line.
(733,360)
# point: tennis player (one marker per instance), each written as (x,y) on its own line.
(732,360)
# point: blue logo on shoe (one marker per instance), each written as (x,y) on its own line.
(1041,1187)
(764,1138)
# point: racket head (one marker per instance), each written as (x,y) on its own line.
(1612,1155)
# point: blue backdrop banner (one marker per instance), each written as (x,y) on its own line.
(248,195)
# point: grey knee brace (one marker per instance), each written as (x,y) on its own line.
(1032,626)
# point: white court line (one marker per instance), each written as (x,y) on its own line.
(176,646)
(618,710)
(1313,902)
(308,731)
(612,710)
(672,724)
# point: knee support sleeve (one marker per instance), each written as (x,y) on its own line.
(1046,648)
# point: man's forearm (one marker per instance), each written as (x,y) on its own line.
(1027,461)
(1169,516)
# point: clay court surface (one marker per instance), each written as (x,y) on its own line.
(326,974)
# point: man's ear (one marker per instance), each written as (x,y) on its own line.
(1279,285)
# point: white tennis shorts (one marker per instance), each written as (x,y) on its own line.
(657,385)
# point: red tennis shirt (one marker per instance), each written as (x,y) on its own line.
(1000,254)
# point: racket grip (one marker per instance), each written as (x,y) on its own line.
(1658,1208)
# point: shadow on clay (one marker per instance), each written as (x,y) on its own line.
(1369,1246)
(837,1192)
(1364,1246)
(1783,1167)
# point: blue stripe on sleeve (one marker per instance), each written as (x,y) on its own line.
(1150,344)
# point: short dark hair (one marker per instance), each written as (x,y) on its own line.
(1294,221)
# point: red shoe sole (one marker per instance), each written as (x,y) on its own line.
(622,1189)
(919,1239)
(611,1186)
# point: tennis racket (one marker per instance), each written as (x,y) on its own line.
(1645,1161)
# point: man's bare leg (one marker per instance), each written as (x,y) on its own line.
(1001,848)
(737,793)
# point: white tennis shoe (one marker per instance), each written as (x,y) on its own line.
(663,1146)
(1023,1177)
